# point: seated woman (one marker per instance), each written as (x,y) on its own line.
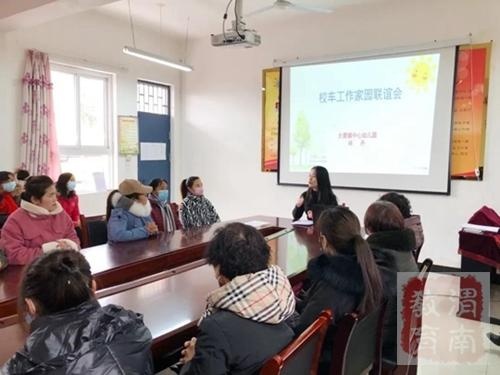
(67,197)
(392,247)
(128,212)
(387,235)
(412,221)
(319,193)
(70,332)
(243,324)
(7,185)
(196,210)
(39,225)
(345,278)
(164,214)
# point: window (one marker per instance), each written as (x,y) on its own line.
(153,98)
(82,108)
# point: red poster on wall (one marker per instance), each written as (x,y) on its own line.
(469,117)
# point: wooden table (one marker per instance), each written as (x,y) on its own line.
(118,263)
(173,305)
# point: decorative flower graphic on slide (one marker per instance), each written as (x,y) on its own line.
(422,72)
(302,136)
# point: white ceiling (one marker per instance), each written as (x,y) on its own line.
(205,16)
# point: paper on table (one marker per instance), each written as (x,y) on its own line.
(480,228)
(257,223)
(303,222)
(153,151)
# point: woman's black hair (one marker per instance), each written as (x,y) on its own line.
(56,281)
(5,176)
(325,193)
(401,202)
(238,249)
(22,174)
(157,182)
(35,187)
(342,231)
(62,185)
(187,183)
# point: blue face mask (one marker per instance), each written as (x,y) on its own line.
(163,195)
(71,185)
(9,186)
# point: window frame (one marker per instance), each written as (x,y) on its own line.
(107,149)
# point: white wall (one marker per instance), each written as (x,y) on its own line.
(222,109)
(92,40)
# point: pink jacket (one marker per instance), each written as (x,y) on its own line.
(31,230)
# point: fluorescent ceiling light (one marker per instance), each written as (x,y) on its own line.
(155,58)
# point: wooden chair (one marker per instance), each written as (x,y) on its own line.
(301,356)
(357,344)
(93,231)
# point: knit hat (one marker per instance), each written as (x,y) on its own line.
(130,186)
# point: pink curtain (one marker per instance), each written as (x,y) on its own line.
(39,150)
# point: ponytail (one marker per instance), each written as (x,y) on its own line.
(109,204)
(184,189)
(341,228)
(371,276)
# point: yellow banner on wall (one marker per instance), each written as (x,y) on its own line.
(270,118)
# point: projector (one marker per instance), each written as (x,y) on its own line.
(245,38)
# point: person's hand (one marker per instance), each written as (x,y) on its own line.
(151,228)
(310,215)
(300,201)
(188,351)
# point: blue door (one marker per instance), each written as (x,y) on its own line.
(154,131)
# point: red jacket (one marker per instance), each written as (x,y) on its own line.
(71,206)
(30,231)
(7,204)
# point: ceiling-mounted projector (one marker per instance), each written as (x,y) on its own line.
(238,34)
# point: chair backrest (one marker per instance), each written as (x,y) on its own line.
(357,344)
(425,268)
(94,231)
(301,356)
(3,219)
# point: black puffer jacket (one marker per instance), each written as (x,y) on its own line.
(87,339)
(336,284)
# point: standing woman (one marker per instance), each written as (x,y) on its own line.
(70,332)
(164,214)
(319,193)
(196,210)
(7,186)
(67,197)
(39,225)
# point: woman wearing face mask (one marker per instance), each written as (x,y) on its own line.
(71,332)
(319,193)
(7,186)
(164,214)
(67,197)
(39,225)
(128,212)
(196,210)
